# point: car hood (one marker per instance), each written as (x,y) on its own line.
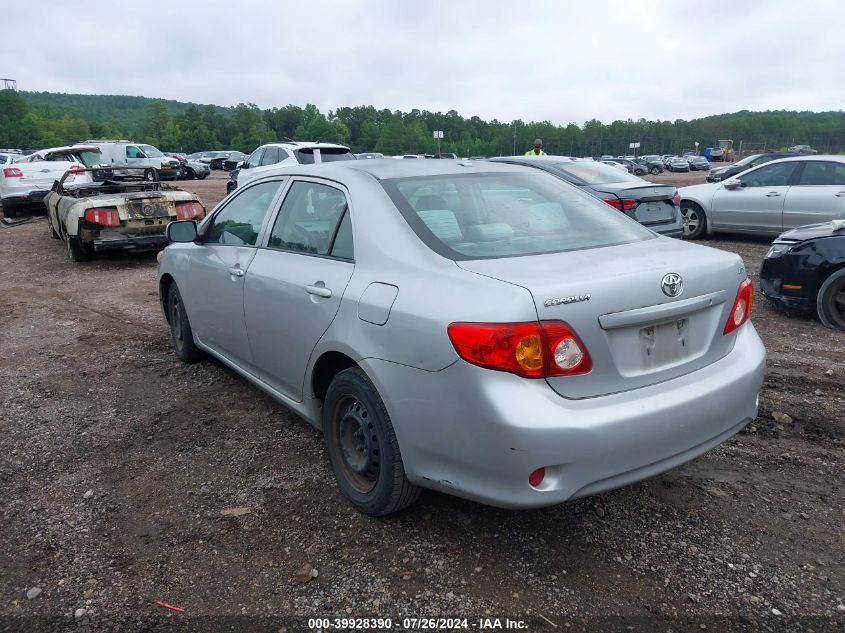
(704,191)
(197,164)
(812,231)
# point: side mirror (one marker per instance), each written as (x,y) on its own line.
(181,231)
(733,183)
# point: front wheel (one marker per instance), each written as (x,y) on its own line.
(362,447)
(9,212)
(830,303)
(695,222)
(181,334)
(150,175)
(655,171)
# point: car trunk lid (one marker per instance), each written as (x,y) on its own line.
(655,203)
(613,298)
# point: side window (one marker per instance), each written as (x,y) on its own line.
(255,158)
(822,173)
(342,247)
(777,175)
(308,218)
(133,152)
(271,156)
(305,156)
(240,221)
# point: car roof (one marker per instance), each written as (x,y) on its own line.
(305,145)
(388,168)
(807,157)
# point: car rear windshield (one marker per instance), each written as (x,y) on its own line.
(595,173)
(490,215)
(329,154)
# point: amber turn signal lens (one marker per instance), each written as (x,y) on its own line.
(529,352)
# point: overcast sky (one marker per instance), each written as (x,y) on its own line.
(558,61)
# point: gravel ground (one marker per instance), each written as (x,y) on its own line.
(129,478)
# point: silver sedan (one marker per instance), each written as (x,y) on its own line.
(481,329)
(767,200)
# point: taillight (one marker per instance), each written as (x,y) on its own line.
(12,172)
(676,199)
(189,210)
(626,204)
(104,217)
(76,170)
(741,310)
(535,349)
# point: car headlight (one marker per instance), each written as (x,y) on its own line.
(779,249)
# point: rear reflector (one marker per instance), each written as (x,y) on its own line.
(535,349)
(107,216)
(76,170)
(536,477)
(625,204)
(189,210)
(741,310)
(12,172)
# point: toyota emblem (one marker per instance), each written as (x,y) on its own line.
(672,285)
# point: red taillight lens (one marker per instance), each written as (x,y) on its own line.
(532,350)
(189,210)
(626,204)
(12,172)
(76,170)
(104,217)
(741,310)
(676,199)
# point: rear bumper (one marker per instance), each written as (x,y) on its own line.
(25,198)
(478,434)
(114,241)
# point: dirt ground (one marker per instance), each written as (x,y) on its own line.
(117,463)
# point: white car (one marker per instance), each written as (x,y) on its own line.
(767,200)
(613,163)
(28,180)
(262,160)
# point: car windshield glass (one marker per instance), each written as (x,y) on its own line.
(595,173)
(490,215)
(329,154)
(151,151)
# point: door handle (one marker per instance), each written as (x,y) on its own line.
(236,272)
(773,194)
(841,194)
(320,291)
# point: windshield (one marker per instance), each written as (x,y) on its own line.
(595,173)
(747,160)
(151,151)
(488,215)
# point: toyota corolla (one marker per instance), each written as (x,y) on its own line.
(481,329)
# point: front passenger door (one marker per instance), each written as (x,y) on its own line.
(214,290)
(756,206)
(296,281)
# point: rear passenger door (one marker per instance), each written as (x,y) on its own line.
(296,281)
(817,196)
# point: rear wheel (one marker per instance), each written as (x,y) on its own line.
(362,446)
(181,334)
(695,222)
(655,171)
(79,251)
(9,212)
(830,303)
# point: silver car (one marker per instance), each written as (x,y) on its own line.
(767,200)
(482,329)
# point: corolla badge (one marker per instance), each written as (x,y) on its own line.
(672,285)
(548,303)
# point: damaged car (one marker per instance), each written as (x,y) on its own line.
(94,217)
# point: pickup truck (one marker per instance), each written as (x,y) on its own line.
(94,217)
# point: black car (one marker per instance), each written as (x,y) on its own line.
(805,270)
(723,173)
(654,206)
(654,167)
(234,159)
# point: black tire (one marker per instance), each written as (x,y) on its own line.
(362,447)
(79,251)
(830,303)
(181,334)
(190,174)
(150,175)
(655,171)
(9,212)
(203,176)
(694,219)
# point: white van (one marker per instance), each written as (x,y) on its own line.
(147,162)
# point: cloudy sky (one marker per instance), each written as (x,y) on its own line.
(532,60)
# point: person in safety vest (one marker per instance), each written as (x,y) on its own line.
(538,148)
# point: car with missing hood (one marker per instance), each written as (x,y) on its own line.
(483,329)
(804,269)
(94,217)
